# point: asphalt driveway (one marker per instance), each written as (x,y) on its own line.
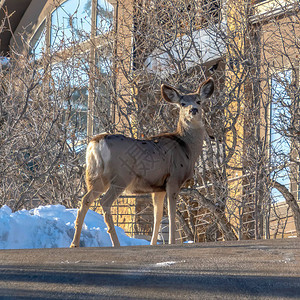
(268,269)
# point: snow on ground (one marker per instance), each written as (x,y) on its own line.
(52,226)
(4,61)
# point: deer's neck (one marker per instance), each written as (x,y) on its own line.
(192,136)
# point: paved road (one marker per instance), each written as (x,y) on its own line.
(235,270)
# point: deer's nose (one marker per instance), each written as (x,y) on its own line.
(194,110)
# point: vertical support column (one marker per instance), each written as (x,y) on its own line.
(114,61)
(123,64)
(236,83)
(92,65)
(48,34)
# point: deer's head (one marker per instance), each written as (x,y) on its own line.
(191,105)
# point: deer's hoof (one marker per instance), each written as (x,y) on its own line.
(73,246)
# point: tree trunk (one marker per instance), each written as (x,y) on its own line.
(184,226)
(291,202)
(222,221)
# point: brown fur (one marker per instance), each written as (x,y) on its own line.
(98,137)
(175,137)
(159,165)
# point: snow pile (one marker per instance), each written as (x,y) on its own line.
(4,61)
(52,226)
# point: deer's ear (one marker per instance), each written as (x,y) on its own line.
(206,88)
(170,94)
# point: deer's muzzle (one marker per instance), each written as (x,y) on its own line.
(194,111)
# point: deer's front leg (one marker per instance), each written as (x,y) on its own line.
(172,193)
(158,208)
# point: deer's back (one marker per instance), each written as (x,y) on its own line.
(142,166)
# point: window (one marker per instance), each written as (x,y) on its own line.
(185,14)
(102,91)
(68,26)
(38,42)
(71,23)
(105,13)
(280,144)
(71,76)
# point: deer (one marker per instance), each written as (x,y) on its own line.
(159,165)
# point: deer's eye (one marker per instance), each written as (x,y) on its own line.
(182,104)
(198,102)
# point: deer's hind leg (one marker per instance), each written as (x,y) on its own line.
(106,202)
(95,190)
